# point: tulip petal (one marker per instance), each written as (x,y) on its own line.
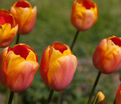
(118,96)
(30,22)
(61,72)
(17,77)
(7,34)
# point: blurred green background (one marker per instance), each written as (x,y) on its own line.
(53,24)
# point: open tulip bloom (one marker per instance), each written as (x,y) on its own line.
(84,14)
(8,28)
(25,15)
(18,66)
(58,66)
(107,56)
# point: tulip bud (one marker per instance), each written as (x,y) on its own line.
(84,14)
(25,15)
(18,66)
(58,66)
(107,56)
(8,29)
(99,99)
(118,96)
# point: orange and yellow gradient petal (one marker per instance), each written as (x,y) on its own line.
(18,67)
(8,29)
(58,66)
(25,15)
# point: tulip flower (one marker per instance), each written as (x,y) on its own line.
(8,28)
(58,66)
(25,15)
(84,14)
(118,96)
(18,66)
(107,56)
(99,99)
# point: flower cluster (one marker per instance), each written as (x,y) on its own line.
(19,19)
(18,64)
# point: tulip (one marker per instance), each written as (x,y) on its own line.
(118,96)
(84,14)
(58,66)
(8,28)
(107,56)
(25,15)
(18,66)
(99,99)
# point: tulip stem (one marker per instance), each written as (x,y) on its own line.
(114,101)
(50,96)
(74,40)
(17,39)
(11,97)
(94,87)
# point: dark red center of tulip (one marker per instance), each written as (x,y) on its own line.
(5,17)
(117,41)
(20,50)
(22,4)
(59,46)
(87,4)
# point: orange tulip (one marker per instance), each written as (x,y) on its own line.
(18,66)
(84,14)
(107,56)
(25,15)
(58,66)
(118,96)
(8,29)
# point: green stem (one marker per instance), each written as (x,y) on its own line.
(74,40)
(114,101)
(11,97)
(50,96)
(17,39)
(62,98)
(94,87)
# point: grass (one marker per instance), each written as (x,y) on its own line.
(53,24)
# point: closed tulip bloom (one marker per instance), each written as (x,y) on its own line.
(118,96)
(58,66)
(84,14)
(107,56)
(8,29)
(25,15)
(99,99)
(18,66)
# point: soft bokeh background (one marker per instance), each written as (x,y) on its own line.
(53,24)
